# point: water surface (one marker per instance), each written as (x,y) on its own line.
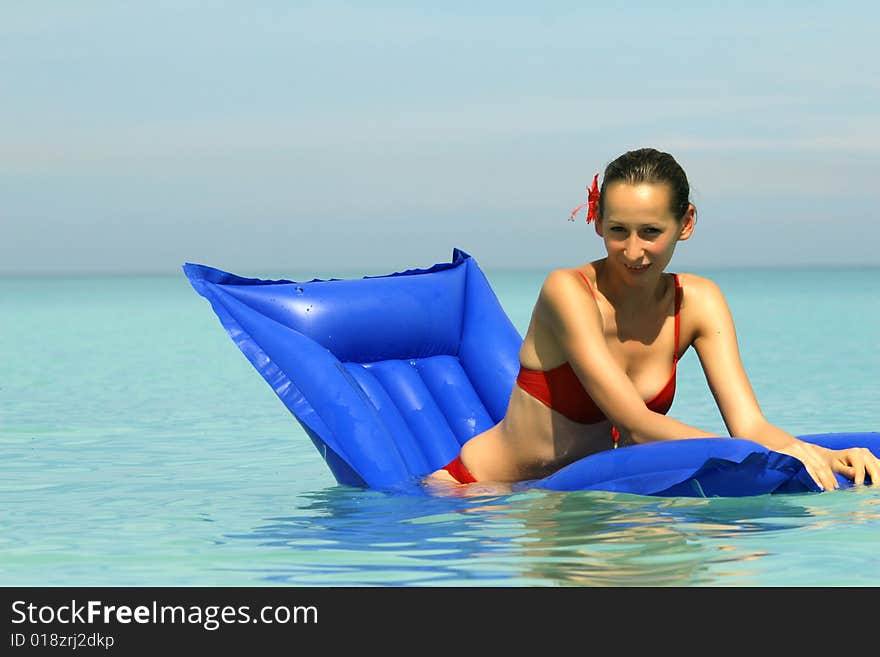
(139,447)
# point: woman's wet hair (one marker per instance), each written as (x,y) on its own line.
(648,165)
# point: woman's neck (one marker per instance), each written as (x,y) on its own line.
(626,297)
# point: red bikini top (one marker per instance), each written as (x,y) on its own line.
(561,390)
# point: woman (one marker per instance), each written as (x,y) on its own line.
(598,361)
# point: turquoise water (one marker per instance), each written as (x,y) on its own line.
(139,447)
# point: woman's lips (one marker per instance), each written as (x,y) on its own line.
(639,269)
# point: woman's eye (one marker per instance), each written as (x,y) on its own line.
(651,230)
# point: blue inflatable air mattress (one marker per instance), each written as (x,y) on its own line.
(390,375)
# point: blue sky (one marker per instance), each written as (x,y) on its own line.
(330,136)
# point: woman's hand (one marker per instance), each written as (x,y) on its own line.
(821,463)
(817,463)
(854,463)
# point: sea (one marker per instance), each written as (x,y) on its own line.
(138,447)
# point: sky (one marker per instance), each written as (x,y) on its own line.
(328,137)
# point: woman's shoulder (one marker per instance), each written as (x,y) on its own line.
(699,291)
(565,288)
(697,283)
(567,281)
(566,276)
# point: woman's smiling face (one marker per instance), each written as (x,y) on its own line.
(639,228)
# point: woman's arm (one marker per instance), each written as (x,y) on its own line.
(716,345)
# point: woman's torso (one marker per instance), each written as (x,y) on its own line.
(534,440)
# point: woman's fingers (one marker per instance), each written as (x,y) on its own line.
(818,459)
(817,467)
(828,479)
(849,472)
(848,466)
(870,465)
(865,464)
(857,463)
(873,468)
(816,477)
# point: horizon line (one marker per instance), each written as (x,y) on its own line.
(366,271)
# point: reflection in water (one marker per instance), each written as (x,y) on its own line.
(349,536)
(477,536)
(602,539)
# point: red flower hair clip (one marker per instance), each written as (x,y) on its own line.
(592,201)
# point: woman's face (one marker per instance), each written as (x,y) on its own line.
(639,229)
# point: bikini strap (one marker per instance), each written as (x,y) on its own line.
(677,322)
(587,281)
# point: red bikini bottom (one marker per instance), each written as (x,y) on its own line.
(459,472)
